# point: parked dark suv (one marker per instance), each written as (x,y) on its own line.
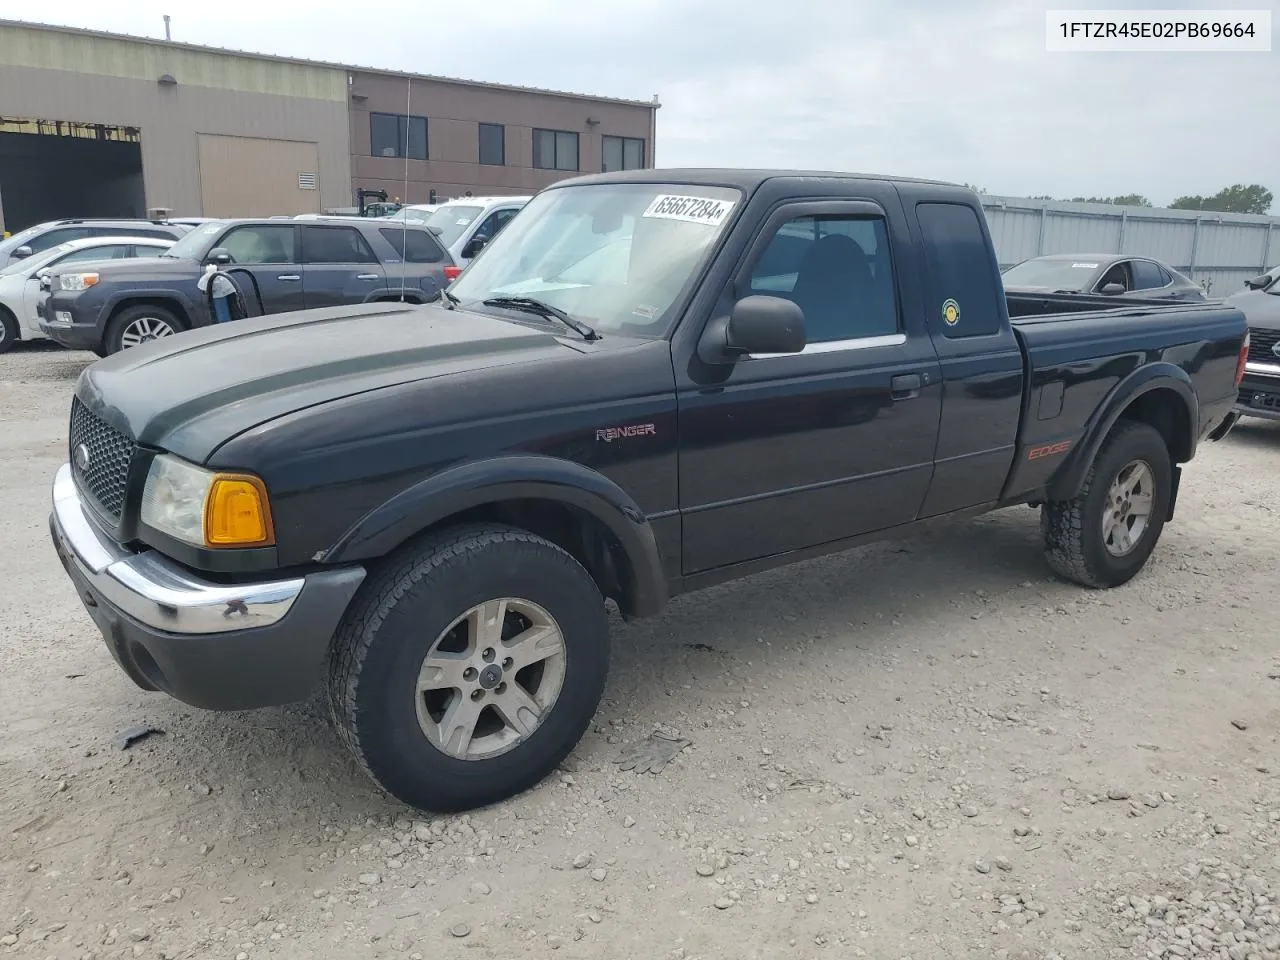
(45,236)
(112,305)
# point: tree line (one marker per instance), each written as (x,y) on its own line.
(1238,198)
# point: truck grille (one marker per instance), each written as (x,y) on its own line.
(1261,343)
(105,471)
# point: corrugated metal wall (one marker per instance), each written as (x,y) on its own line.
(1218,250)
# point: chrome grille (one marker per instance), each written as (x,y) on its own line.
(102,469)
(1261,343)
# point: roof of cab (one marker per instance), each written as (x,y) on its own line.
(746,179)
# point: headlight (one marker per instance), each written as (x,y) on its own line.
(205,508)
(77,281)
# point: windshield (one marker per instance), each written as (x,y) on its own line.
(616,256)
(1074,275)
(448,223)
(195,244)
(18,239)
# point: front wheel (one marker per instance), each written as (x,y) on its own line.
(9,332)
(140,324)
(1103,536)
(469,667)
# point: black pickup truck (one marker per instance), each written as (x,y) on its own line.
(650,382)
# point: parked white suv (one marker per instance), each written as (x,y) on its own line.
(465,224)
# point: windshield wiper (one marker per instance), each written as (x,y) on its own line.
(449,298)
(533,305)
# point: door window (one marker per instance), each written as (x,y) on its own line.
(422,248)
(1146,275)
(54,237)
(110,252)
(335,245)
(964,287)
(141,250)
(1116,274)
(494,223)
(260,244)
(837,269)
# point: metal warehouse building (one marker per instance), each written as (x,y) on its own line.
(100,125)
(1217,250)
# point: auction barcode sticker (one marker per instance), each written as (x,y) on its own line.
(1158,31)
(670,206)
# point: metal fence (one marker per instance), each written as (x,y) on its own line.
(1217,250)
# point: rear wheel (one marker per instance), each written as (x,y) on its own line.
(9,332)
(140,324)
(469,667)
(1105,535)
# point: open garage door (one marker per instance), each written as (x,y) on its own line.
(258,177)
(51,169)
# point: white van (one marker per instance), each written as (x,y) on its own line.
(465,224)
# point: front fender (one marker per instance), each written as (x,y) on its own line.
(1154,376)
(521,477)
(195,312)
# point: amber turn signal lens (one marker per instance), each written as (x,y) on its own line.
(237,513)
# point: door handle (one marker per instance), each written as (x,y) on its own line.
(905,386)
(367,276)
(288,276)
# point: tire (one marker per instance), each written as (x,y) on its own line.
(1076,544)
(10,334)
(405,610)
(139,324)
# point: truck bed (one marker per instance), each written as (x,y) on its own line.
(1028,306)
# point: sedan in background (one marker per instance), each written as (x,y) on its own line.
(21,289)
(1101,274)
(42,236)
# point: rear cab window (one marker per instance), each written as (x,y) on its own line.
(963,292)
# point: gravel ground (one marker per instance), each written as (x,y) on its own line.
(923,749)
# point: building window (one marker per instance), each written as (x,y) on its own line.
(395,135)
(623,153)
(493,144)
(555,150)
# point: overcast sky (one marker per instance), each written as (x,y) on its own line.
(959,90)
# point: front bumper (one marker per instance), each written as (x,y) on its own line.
(1260,391)
(211,645)
(65,319)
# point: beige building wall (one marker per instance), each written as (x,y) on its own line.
(454,111)
(72,75)
(243,176)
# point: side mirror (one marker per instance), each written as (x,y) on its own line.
(474,246)
(763,324)
(218,255)
(21,253)
(1257,283)
(1111,289)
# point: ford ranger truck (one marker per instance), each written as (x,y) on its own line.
(651,382)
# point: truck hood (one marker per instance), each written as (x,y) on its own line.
(133,268)
(1260,308)
(192,392)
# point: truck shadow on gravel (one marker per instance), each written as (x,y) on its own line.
(675,664)
(41,361)
(1256,434)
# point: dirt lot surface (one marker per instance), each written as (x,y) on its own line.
(921,749)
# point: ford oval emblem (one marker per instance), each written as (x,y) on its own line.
(81,456)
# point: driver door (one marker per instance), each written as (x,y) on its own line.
(271,253)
